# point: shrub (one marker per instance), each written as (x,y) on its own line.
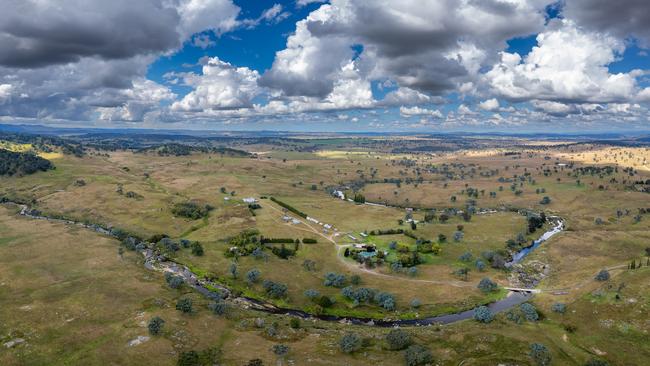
(458,236)
(189,358)
(184,305)
(540,354)
(233,270)
(334,279)
(486,285)
(168,245)
(559,307)
(415,303)
(259,254)
(324,301)
(253,275)
(355,279)
(311,294)
(480,265)
(398,339)
(412,271)
(191,210)
(255,362)
(466,257)
(529,311)
(174,282)
(218,307)
(280,349)
(417,355)
(350,343)
(603,275)
(294,323)
(385,300)
(197,249)
(275,289)
(483,314)
(596,362)
(155,325)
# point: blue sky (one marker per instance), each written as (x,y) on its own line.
(349,65)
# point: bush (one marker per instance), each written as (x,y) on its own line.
(486,285)
(334,279)
(385,300)
(324,301)
(480,265)
(412,271)
(596,362)
(311,294)
(184,305)
(218,307)
(275,289)
(355,279)
(255,362)
(417,355)
(559,307)
(466,257)
(253,275)
(529,311)
(458,236)
(540,354)
(483,314)
(168,245)
(603,275)
(155,325)
(309,241)
(294,323)
(174,282)
(350,343)
(191,210)
(415,303)
(189,358)
(197,249)
(280,349)
(398,339)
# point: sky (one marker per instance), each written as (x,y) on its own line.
(339,65)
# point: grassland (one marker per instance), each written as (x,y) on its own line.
(61,273)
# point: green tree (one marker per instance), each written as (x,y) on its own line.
(184,304)
(417,355)
(253,276)
(603,275)
(483,314)
(350,343)
(540,354)
(398,339)
(155,325)
(486,285)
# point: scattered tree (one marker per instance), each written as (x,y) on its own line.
(483,314)
(155,325)
(253,276)
(486,285)
(350,343)
(603,275)
(417,355)
(398,339)
(540,354)
(184,304)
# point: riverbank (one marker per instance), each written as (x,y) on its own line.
(216,291)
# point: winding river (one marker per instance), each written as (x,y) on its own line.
(205,287)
